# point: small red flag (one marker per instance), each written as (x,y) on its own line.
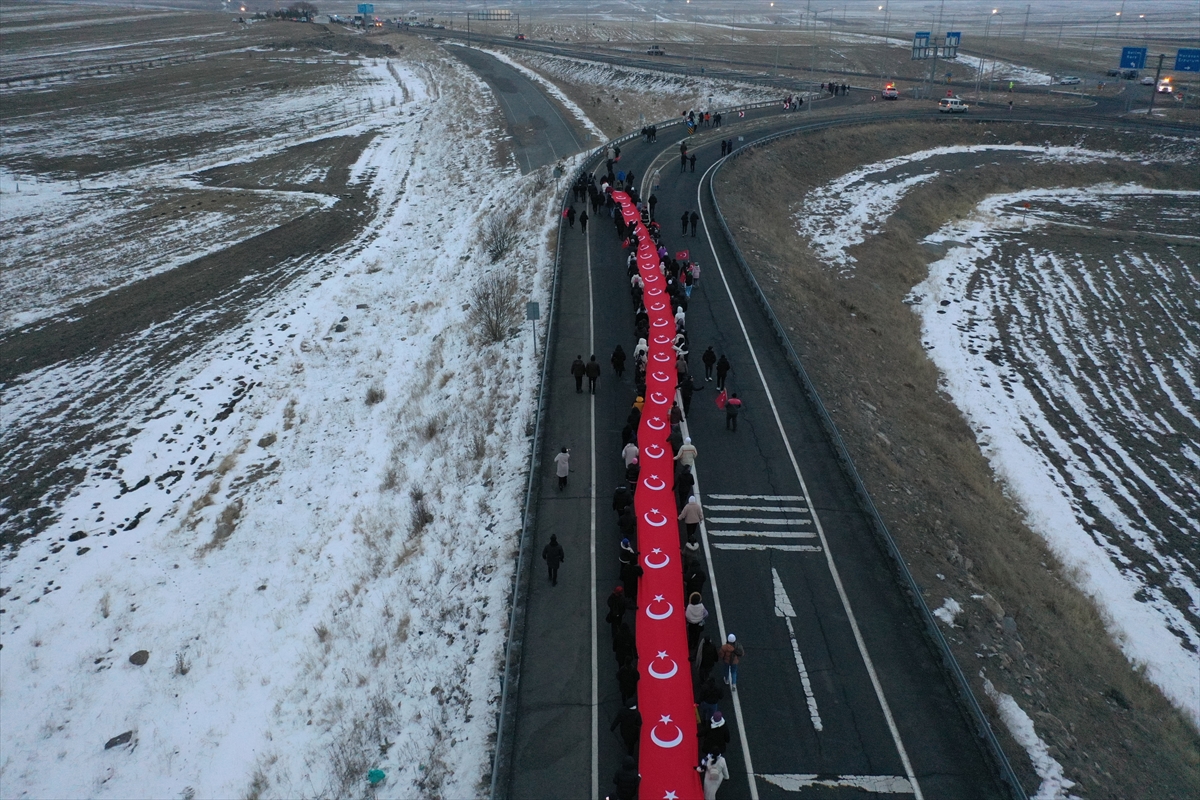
(721,400)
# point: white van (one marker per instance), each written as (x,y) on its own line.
(951,105)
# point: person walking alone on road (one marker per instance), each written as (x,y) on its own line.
(578,370)
(562,467)
(571,216)
(553,555)
(709,358)
(692,162)
(592,370)
(733,407)
(731,654)
(583,218)
(723,368)
(653,202)
(684,220)
(694,219)
(618,361)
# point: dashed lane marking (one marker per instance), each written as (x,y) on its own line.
(783,608)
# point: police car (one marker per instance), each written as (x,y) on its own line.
(890,93)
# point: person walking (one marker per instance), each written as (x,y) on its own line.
(708,658)
(616,609)
(562,467)
(685,391)
(618,361)
(684,220)
(553,555)
(627,780)
(709,358)
(592,370)
(578,370)
(683,162)
(733,407)
(716,772)
(627,681)
(691,516)
(629,720)
(583,219)
(687,454)
(653,202)
(692,162)
(695,614)
(630,453)
(731,654)
(694,219)
(723,368)
(716,737)
(571,216)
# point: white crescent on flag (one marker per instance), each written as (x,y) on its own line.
(659,375)
(661,357)
(662,676)
(654,291)
(653,450)
(661,339)
(655,423)
(654,483)
(658,598)
(677,740)
(666,559)
(659,323)
(659,306)
(662,518)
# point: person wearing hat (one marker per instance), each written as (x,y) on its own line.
(716,738)
(687,453)
(553,555)
(691,516)
(695,614)
(630,452)
(715,773)
(731,655)
(562,467)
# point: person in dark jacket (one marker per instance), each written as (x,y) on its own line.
(627,780)
(571,216)
(716,738)
(578,370)
(592,370)
(553,555)
(624,644)
(686,390)
(708,658)
(709,358)
(583,221)
(631,474)
(684,219)
(723,368)
(618,361)
(694,218)
(616,610)
(630,722)
(733,407)
(622,499)
(627,681)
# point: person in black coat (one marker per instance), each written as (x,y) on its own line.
(709,358)
(723,368)
(616,611)
(578,370)
(592,370)
(716,737)
(618,361)
(627,680)
(553,555)
(631,474)
(708,658)
(627,780)
(624,644)
(622,498)
(629,720)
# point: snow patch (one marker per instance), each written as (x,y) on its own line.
(1055,785)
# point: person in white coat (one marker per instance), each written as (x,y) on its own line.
(715,773)
(630,453)
(562,464)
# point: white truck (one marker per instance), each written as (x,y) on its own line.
(952,105)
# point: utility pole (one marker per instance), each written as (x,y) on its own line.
(1154,89)
(1025,29)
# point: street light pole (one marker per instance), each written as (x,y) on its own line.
(979,74)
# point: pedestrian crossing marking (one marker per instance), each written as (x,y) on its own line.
(769,534)
(879,784)
(787,548)
(780,509)
(757,521)
(786,497)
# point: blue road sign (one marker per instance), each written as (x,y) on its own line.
(366,8)
(1133,58)
(1187,59)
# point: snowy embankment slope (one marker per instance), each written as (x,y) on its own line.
(319,558)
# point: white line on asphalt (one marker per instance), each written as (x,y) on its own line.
(787,548)
(758,521)
(879,784)
(833,570)
(712,582)
(791,497)
(783,608)
(592,544)
(770,534)
(780,509)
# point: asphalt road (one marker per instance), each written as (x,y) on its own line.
(540,132)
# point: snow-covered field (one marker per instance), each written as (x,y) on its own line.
(310,524)
(1077,371)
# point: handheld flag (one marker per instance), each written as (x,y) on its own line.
(721,400)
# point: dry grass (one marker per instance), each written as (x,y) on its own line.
(1112,730)
(375,395)
(420,515)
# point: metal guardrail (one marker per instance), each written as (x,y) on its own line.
(511,680)
(908,583)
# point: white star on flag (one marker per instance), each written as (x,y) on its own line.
(658,598)
(655,511)
(670,796)
(661,654)
(665,719)
(656,551)
(655,477)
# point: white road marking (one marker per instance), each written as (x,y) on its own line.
(716,595)
(879,784)
(779,509)
(592,543)
(768,534)
(758,521)
(783,608)
(789,497)
(787,548)
(833,570)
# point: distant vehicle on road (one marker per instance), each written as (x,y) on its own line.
(952,105)
(520,37)
(655,50)
(1069,80)
(1147,81)
(1130,74)
(890,92)
(1164,86)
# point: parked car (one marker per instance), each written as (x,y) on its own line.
(655,50)
(890,92)
(1069,80)
(1130,74)
(1147,81)
(520,37)
(952,105)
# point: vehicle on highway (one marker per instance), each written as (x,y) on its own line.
(952,105)
(1147,81)
(1069,80)
(655,50)
(1164,86)
(890,92)
(520,37)
(1130,74)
